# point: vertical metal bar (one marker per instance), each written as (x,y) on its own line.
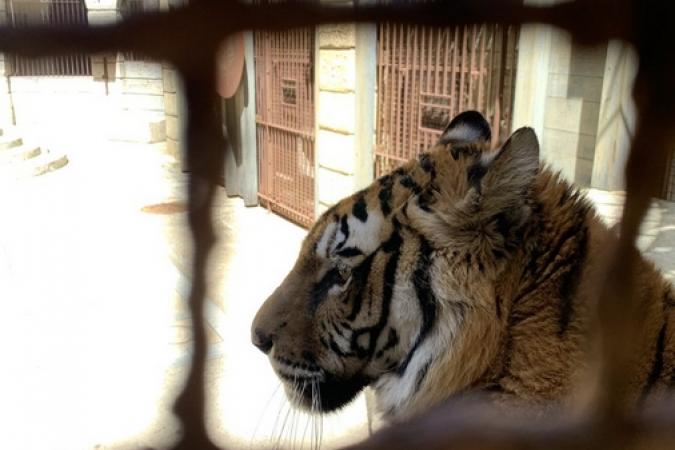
(380,96)
(430,88)
(481,70)
(470,102)
(388,79)
(393,86)
(446,54)
(454,101)
(438,66)
(396,57)
(498,91)
(404,123)
(490,37)
(462,82)
(415,118)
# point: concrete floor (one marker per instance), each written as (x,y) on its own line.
(94,336)
(94,332)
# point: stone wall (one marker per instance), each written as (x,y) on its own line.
(573,106)
(336,108)
(141,102)
(173,101)
(172,110)
(559,93)
(345,111)
(617,118)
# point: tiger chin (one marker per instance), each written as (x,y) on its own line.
(465,270)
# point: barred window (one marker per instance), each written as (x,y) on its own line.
(48,12)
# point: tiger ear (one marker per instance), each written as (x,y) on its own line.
(466,128)
(502,178)
(498,187)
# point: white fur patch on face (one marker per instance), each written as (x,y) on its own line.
(395,392)
(326,240)
(364,236)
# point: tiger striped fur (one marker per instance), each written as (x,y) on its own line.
(463,270)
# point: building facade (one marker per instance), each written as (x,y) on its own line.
(321,112)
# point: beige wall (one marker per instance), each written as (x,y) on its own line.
(559,93)
(574,91)
(336,113)
(617,117)
(345,111)
(171,110)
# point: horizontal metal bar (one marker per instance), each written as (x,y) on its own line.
(301,133)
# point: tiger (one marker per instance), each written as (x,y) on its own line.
(465,270)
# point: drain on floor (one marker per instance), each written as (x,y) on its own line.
(165,208)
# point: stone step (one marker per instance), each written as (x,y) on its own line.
(20,153)
(54,162)
(8,141)
(41,164)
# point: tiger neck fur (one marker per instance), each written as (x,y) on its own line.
(544,291)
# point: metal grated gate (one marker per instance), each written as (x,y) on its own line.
(284,71)
(24,13)
(428,75)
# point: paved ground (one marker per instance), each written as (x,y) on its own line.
(94,339)
(94,335)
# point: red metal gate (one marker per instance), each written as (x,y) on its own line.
(428,75)
(284,71)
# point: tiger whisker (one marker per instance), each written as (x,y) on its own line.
(319,418)
(294,421)
(262,415)
(313,412)
(276,419)
(304,432)
(283,426)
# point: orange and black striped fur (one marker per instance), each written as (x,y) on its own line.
(464,270)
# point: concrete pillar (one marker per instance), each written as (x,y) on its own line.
(366,68)
(534,52)
(174,110)
(558,92)
(345,126)
(174,101)
(617,118)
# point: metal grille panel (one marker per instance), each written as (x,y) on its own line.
(428,75)
(284,70)
(53,12)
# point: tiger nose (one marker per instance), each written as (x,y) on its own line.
(262,340)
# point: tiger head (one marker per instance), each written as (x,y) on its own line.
(394,286)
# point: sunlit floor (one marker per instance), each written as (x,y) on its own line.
(94,335)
